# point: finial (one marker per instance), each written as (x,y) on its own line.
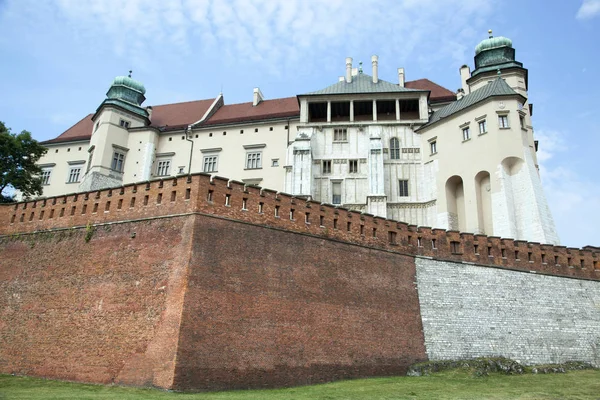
(360,67)
(130,72)
(490,33)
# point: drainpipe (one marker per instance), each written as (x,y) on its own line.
(188,132)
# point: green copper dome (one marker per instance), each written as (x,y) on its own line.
(130,83)
(493,43)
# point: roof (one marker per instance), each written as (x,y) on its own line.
(498,87)
(179,114)
(266,109)
(438,94)
(82,130)
(363,83)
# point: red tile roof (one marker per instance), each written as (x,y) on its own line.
(438,93)
(266,109)
(179,115)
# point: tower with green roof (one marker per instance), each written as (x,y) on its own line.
(120,112)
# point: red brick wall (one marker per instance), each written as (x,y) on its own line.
(271,308)
(103,311)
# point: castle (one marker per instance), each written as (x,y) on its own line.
(199,282)
(411,151)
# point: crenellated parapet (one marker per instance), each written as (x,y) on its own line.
(224,198)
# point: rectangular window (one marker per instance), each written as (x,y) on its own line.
(403,187)
(433,147)
(46,172)
(353,166)
(466,133)
(163,167)
(118,161)
(124,124)
(326,166)
(254,160)
(74,175)
(340,135)
(503,121)
(210,164)
(275,162)
(336,190)
(482,127)
(522,121)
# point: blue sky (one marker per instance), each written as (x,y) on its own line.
(60,56)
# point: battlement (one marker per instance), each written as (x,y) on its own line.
(221,197)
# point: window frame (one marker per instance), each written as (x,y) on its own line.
(46,177)
(118,159)
(333,195)
(123,123)
(74,175)
(350,165)
(501,118)
(483,123)
(210,163)
(433,147)
(326,167)
(466,132)
(340,135)
(403,188)
(254,160)
(163,167)
(394,148)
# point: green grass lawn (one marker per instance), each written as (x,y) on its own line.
(443,385)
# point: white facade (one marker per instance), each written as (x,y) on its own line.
(396,150)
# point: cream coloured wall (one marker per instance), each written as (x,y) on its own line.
(57,158)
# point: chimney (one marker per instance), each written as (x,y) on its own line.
(349,69)
(257,97)
(401,77)
(341,79)
(460,93)
(375,62)
(465,73)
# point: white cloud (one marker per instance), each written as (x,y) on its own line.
(589,9)
(274,33)
(573,199)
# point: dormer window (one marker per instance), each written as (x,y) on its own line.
(124,124)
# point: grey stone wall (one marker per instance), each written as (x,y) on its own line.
(472,311)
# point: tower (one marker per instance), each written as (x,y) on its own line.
(107,154)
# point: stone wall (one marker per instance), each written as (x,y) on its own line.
(472,311)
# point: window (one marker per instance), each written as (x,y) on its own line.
(124,124)
(275,162)
(74,174)
(163,167)
(522,121)
(181,170)
(336,190)
(210,164)
(466,133)
(253,160)
(326,166)
(118,161)
(353,166)
(403,187)
(503,121)
(433,147)
(340,135)
(482,127)
(46,172)
(394,149)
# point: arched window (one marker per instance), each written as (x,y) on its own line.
(394,149)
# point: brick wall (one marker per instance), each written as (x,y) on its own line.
(269,308)
(107,310)
(230,199)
